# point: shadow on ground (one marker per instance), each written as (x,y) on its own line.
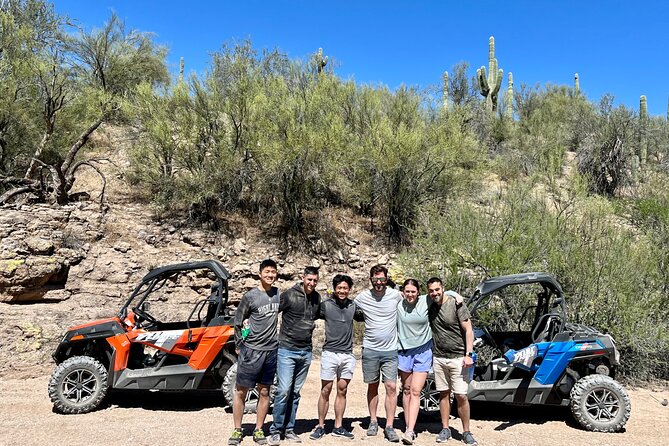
(506,415)
(171,401)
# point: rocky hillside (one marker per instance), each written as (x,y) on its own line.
(61,266)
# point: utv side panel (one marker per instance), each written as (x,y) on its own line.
(211,342)
(171,377)
(554,362)
(518,391)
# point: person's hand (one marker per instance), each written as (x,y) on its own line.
(237,351)
(467,362)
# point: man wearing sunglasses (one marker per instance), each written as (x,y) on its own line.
(379,354)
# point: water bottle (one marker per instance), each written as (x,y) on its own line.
(469,371)
(246,328)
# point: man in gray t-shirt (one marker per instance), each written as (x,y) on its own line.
(257,352)
(379,354)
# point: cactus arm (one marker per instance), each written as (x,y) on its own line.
(483,81)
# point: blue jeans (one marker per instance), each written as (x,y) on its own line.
(291,369)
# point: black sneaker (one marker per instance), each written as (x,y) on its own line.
(468,438)
(318,433)
(343,433)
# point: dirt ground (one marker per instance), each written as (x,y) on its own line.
(26,418)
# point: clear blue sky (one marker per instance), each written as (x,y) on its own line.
(618,47)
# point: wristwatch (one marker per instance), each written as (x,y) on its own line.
(470,354)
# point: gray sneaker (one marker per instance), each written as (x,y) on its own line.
(468,438)
(373,429)
(292,436)
(274,439)
(444,435)
(391,435)
(318,433)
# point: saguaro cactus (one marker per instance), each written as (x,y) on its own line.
(445,77)
(320,61)
(643,129)
(509,97)
(577,85)
(489,83)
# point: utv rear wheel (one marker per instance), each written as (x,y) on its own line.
(251,403)
(600,404)
(78,385)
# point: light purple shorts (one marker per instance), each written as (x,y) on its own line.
(418,359)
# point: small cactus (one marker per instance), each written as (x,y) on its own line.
(320,61)
(643,124)
(643,108)
(489,83)
(445,76)
(509,97)
(577,85)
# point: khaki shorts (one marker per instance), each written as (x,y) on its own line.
(450,375)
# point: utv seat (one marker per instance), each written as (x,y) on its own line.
(547,327)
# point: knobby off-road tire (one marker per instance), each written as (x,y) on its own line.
(78,385)
(600,404)
(228,388)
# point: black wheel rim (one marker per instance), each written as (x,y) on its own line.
(429,396)
(79,386)
(602,405)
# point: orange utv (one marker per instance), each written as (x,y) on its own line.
(167,336)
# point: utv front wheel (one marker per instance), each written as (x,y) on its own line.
(251,403)
(78,385)
(600,404)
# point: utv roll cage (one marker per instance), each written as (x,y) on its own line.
(157,278)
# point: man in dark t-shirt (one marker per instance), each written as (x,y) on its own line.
(453,339)
(256,353)
(299,307)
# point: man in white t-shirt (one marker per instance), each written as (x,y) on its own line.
(379,354)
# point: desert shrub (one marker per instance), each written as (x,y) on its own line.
(587,250)
(606,154)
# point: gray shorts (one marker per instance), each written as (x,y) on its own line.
(376,363)
(337,365)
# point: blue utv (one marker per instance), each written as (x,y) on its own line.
(528,353)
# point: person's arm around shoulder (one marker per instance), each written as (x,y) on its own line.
(321,308)
(284,300)
(358,314)
(459,300)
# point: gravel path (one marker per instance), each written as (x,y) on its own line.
(136,419)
